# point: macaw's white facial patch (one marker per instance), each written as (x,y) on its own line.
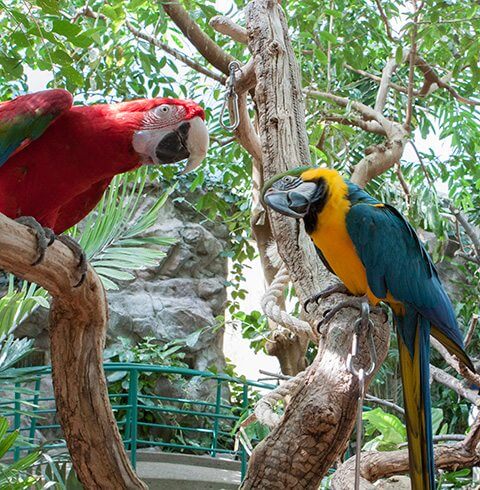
(162,116)
(172,143)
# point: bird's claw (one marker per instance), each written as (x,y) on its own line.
(78,253)
(335,288)
(46,237)
(355,302)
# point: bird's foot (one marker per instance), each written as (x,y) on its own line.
(78,253)
(45,236)
(334,288)
(354,302)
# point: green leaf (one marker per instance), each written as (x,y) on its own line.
(115,273)
(391,428)
(7,442)
(399,55)
(327,37)
(72,75)
(437,419)
(65,28)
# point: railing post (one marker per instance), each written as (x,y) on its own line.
(17,418)
(216,423)
(36,394)
(133,402)
(243,452)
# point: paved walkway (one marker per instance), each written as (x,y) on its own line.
(169,471)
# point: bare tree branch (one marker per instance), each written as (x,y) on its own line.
(379,158)
(367,112)
(403,183)
(385,21)
(88,12)
(412,60)
(369,126)
(455,363)
(385,403)
(224,25)
(471,330)
(387,72)
(469,229)
(247,78)
(376,465)
(422,163)
(453,383)
(245,132)
(215,55)
(432,81)
(395,86)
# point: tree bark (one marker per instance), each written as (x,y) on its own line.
(318,421)
(78,322)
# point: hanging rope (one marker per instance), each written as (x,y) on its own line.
(271,307)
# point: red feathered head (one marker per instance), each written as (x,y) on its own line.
(167,130)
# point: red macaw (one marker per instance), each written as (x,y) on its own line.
(56,160)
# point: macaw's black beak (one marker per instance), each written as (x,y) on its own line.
(295,202)
(189,140)
(173,146)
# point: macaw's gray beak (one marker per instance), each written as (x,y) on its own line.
(294,202)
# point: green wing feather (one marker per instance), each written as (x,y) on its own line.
(26,118)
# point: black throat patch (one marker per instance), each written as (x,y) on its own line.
(316,206)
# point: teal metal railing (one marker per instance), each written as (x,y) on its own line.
(144,418)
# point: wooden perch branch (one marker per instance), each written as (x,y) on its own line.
(376,465)
(78,322)
(320,416)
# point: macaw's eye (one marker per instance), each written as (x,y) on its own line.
(162,109)
(288,179)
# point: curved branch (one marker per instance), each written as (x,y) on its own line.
(376,465)
(78,322)
(213,53)
(88,12)
(432,81)
(225,25)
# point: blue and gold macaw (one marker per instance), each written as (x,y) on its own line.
(376,252)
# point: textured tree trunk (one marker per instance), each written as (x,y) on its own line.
(319,419)
(288,347)
(317,424)
(78,322)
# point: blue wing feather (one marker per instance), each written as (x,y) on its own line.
(25,118)
(396,261)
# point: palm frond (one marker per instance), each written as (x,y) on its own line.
(112,236)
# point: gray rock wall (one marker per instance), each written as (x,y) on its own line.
(184,293)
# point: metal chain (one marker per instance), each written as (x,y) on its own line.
(231,95)
(361,324)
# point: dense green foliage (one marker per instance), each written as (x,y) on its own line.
(101,60)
